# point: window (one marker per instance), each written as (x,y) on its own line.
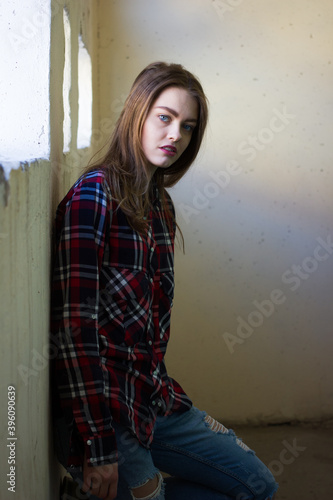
(85,97)
(24,80)
(67,83)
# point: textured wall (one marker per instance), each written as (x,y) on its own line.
(256,208)
(25,252)
(28,197)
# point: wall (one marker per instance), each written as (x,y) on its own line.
(256,207)
(28,197)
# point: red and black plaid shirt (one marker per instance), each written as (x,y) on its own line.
(111,299)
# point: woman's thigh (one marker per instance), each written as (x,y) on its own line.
(195,447)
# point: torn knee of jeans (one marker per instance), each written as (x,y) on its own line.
(216,426)
(154,494)
(219,428)
(243,445)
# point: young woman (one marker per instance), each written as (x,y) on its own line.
(125,418)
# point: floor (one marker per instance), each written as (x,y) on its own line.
(300,457)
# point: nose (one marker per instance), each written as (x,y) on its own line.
(175,133)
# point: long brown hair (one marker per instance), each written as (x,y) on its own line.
(125,164)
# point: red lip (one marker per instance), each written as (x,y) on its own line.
(169,150)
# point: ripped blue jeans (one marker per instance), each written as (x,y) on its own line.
(206,462)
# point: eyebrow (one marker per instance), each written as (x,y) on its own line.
(173,112)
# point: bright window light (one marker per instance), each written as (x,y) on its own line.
(67,82)
(85,97)
(24,80)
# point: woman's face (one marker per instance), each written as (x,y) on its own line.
(168,128)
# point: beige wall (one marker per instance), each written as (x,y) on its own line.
(244,232)
(266,67)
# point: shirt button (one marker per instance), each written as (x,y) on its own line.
(150,342)
(159,404)
(151,280)
(151,249)
(89,442)
(153,403)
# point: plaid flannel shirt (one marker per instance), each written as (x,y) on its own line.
(112,292)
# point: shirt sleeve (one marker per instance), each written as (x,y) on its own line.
(81,239)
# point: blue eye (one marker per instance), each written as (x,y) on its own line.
(163,118)
(188,128)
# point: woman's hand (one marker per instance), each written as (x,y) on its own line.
(101,481)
